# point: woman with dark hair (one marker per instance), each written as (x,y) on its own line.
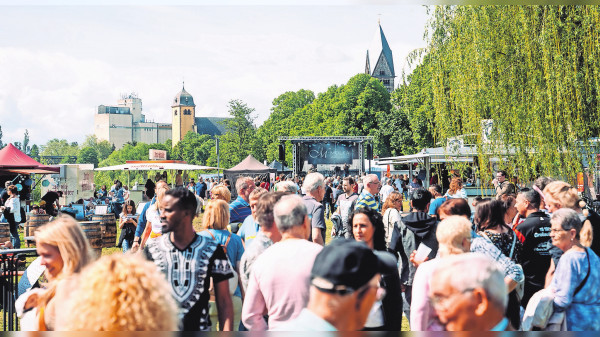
(367,226)
(489,219)
(12,213)
(127,225)
(490,222)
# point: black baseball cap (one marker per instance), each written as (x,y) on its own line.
(344,266)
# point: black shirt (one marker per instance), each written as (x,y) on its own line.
(535,258)
(50,197)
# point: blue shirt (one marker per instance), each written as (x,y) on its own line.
(366,200)
(234,248)
(435,204)
(239,210)
(249,230)
(142,219)
(201,190)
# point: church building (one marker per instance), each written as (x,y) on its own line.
(380,63)
(125,123)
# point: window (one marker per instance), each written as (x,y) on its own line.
(381,72)
(175,112)
(386,82)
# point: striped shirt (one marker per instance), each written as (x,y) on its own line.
(239,210)
(366,200)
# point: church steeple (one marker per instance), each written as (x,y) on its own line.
(380,62)
(184,115)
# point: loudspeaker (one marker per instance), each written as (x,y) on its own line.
(281,153)
(369,152)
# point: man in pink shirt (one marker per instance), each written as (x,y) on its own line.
(280,278)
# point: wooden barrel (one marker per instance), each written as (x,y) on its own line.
(109,229)
(4,232)
(93,232)
(34,221)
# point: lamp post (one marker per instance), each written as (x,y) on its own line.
(218,159)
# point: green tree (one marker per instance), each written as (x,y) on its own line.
(280,121)
(35,152)
(533,70)
(88,155)
(25,145)
(60,147)
(239,140)
(193,148)
(103,148)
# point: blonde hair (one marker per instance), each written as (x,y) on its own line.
(216,215)
(122,292)
(450,234)
(563,193)
(223,192)
(65,234)
(161,189)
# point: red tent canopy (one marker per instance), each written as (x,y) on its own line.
(14,160)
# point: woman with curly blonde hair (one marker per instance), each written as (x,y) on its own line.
(119,292)
(64,251)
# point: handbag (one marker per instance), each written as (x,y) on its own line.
(540,309)
(520,289)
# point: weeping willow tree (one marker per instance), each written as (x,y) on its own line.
(533,70)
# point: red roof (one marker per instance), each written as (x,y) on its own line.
(13,158)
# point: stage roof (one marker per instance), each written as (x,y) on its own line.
(155,165)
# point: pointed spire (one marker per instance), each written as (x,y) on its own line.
(183,86)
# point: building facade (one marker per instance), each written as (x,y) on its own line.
(125,123)
(380,62)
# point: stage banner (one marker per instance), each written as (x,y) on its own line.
(331,153)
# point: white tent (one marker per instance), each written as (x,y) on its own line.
(155,167)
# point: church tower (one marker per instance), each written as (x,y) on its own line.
(379,63)
(184,114)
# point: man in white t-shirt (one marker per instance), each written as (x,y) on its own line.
(386,190)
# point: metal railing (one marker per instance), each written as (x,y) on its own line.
(12,266)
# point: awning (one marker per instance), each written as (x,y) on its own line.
(48,170)
(155,167)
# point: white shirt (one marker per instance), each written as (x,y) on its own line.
(15,207)
(385,192)
(153,217)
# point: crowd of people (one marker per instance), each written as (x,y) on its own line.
(266,261)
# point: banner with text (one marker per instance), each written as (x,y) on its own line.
(331,152)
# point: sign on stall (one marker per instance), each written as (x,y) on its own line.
(158,154)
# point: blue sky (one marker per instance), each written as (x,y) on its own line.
(58,63)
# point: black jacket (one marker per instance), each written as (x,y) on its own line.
(392,302)
(414,228)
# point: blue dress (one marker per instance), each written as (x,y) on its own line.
(583,309)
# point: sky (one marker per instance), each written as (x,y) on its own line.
(59,62)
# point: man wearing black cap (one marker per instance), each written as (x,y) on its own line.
(345,282)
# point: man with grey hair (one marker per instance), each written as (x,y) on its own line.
(240,208)
(286,186)
(314,186)
(468,293)
(371,187)
(280,278)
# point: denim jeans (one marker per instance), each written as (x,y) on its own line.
(126,246)
(14,231)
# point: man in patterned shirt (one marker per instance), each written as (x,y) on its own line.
(188,261)
(371,187)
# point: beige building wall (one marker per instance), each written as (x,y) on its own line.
(183,122)
(135,107)
(164,132)
(115,128)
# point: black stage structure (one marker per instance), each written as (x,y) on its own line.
(323,152)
